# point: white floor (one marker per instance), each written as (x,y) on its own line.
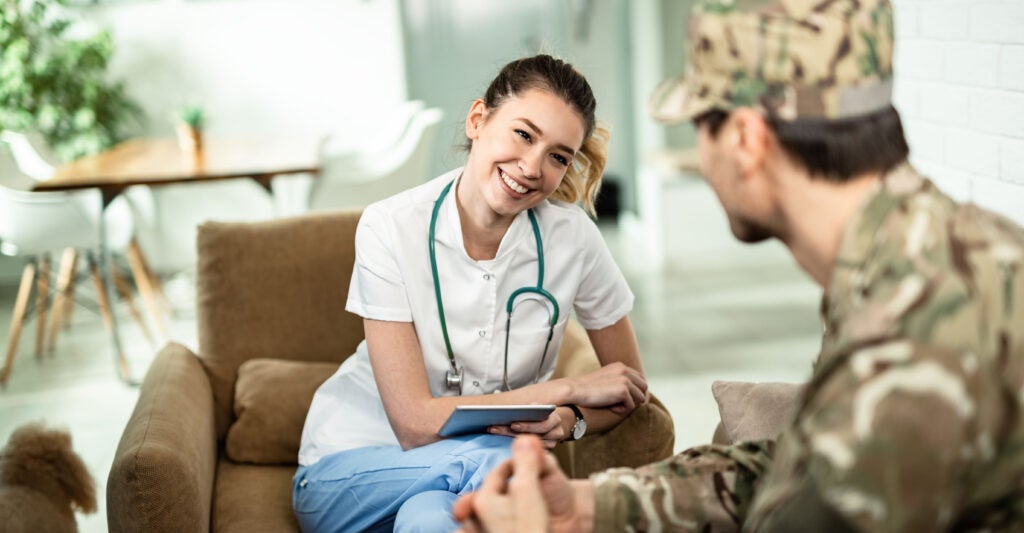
(743,314)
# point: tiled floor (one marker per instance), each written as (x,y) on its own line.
(746,315)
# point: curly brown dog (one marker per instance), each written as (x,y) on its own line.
(42,482)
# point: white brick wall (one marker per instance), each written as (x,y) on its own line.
(960,90)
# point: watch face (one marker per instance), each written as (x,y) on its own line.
(579,429)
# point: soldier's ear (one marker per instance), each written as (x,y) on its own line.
(753,137)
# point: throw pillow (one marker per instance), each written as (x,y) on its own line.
(272,397)
(755,411)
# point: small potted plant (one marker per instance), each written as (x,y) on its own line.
(190,128)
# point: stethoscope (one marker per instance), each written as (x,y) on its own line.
(453,378)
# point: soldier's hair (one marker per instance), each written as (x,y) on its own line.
(583,179)
(836,149)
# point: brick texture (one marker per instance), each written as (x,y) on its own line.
(960,90)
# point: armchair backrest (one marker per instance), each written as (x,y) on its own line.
(274,289)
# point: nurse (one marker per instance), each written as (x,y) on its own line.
(465,285)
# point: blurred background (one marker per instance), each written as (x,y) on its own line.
(362,75)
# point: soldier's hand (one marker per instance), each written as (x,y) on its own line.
(525,493)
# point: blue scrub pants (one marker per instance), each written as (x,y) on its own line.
(380,488)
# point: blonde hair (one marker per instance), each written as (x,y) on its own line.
(582,181)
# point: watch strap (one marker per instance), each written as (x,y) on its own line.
(579,418)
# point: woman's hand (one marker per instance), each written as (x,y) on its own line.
(616,386)
(551,430)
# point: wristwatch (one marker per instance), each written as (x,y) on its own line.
(580,428)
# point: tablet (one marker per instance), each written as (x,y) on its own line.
(476,418)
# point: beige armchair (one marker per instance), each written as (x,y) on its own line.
(212,442)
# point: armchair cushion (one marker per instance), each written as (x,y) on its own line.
(252,499)
(272,397)
(754,411)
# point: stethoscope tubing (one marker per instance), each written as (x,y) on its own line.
(453,378)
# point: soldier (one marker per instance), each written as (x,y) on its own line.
(912,419)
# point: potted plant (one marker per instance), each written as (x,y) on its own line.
(190,128)
(57,84)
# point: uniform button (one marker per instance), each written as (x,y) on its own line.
(487,276)
(476,384)
(303,482)
(482,333)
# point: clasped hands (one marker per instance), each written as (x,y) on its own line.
(526,493)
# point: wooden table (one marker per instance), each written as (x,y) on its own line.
(157,162)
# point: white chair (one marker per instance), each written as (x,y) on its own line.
(384,132)
(31,153)
(342,147)
(33,158)
(354,180)
(35,225)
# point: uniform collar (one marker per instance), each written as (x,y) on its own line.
(519,229)
(861,235)
(858,247)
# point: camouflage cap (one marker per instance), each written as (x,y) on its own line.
(795,58)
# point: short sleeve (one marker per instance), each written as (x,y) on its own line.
(604,296)
(377,290)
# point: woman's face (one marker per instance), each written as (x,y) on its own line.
(520,151)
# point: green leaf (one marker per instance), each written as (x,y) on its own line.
(58,85)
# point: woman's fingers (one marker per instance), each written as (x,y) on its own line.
(550,430)
(501,430)
(542,427)
(614,386)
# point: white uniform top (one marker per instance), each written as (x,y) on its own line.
(392,281)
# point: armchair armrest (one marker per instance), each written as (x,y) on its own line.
(645,436)
(163,471)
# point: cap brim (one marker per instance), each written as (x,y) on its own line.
(672,102)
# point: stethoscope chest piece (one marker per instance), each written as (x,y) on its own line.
(453,379)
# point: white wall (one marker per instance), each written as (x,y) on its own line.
(960,91)
(258,66)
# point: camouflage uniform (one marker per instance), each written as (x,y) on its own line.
(912,420)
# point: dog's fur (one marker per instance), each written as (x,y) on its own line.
(42,482)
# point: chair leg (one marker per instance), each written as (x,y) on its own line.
(143,280)
(42,299)
(126,294)
(68,268)
(105,311)
(154,280)
(18,319)
(69,302)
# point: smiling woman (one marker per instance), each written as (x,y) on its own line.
(465,285)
